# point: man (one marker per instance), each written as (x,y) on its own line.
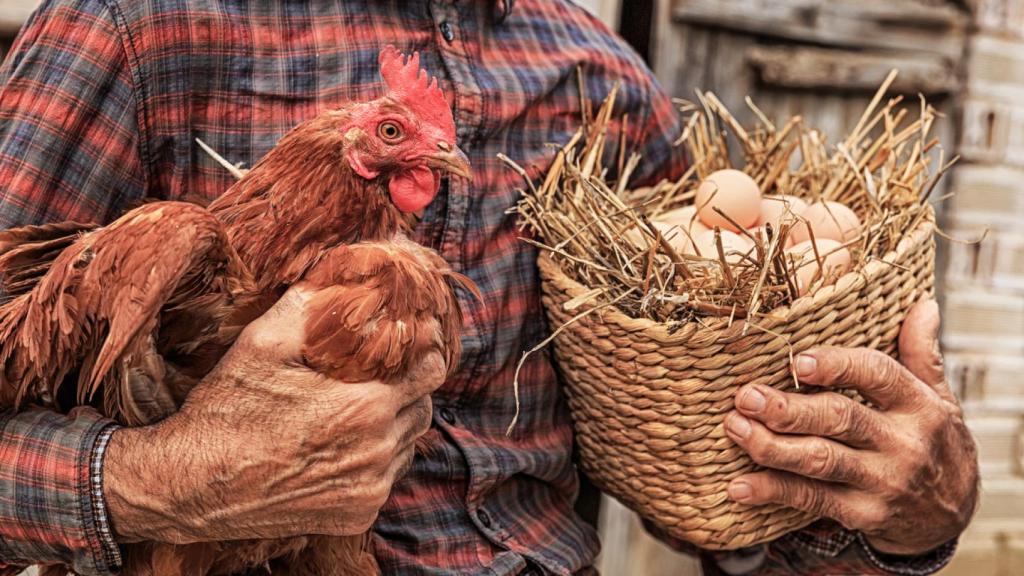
(101,103)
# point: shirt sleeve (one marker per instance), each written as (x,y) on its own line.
(50,510)
(69,150)
(69,136)
(825,548)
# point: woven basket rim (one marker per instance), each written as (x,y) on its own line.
(779,316)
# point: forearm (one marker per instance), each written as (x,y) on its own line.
(53,511)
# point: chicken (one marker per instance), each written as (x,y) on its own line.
(130,316)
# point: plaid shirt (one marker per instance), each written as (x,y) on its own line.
(100,106)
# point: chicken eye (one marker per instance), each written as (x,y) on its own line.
(390,131)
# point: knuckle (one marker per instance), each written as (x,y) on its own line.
(390,445)
(821,460)
(379,457)
(841,416)
(891,486)
(377,417)
(841,368)
(361,523)
(425,416)
(793,493)
(786,417)
(820,504)
(873,518)
(379,493)
(888,371)
(258,335)
(915,452)
(431,372)
(760,451)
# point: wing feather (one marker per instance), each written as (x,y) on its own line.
(26,253)
(97,313)
(379,308)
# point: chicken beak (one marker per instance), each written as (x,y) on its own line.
(451,160)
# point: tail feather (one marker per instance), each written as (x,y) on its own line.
(27,253)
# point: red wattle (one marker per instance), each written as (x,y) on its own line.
(414,189)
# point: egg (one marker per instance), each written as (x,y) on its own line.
(675,236)
(830,220)
(761,233)
(773,208)
(686,218)
(732,192)
(734,245)
(836,259)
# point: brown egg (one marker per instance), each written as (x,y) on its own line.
(684,217)
(836,258)
(734,245)
(830,220)
(773,208)
(675,236)
(762,233)
(732,192)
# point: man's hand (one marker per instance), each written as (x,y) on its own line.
(264,447)
(904,473)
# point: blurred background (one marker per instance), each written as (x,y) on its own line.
(823,59)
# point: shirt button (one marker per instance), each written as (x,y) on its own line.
(446,32)
(447,415)
(484,518)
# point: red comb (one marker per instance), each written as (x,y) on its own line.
(416,90)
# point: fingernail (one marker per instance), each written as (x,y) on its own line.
(752,400)
(739,491)
(806,365)
(738,426)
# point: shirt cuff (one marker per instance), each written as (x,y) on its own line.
(111,551)
(922,565)
(51,505)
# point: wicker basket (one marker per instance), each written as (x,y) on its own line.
(648,405)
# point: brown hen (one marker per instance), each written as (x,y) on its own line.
(130,316)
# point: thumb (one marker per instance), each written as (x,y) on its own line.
(919,346)
(280,333)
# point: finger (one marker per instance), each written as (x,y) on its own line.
(826,414)
(422,379)
(412,422)
(849,507)
(810,456)
(401,464)
(879,378)
(919,346)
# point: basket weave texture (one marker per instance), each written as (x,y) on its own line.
(648,404)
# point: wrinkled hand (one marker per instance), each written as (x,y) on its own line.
(904,473)
(264,447)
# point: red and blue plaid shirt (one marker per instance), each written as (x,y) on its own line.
(100,106)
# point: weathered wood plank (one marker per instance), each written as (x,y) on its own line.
(13,14)
(805,67)
(893,24)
